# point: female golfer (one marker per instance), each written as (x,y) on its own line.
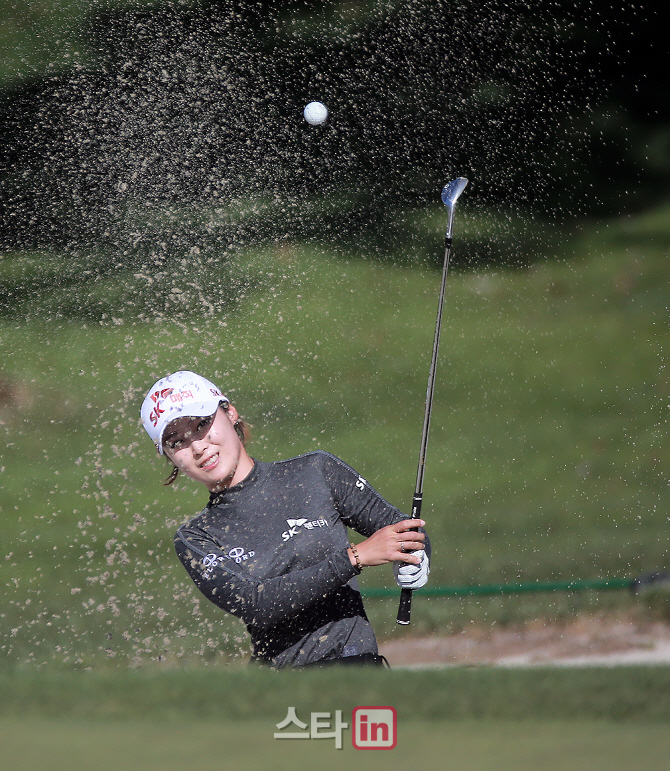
(271,545)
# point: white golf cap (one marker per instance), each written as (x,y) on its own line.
(181,394)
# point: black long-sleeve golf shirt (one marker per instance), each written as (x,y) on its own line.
(272,551)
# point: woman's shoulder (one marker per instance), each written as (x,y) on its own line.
(321,461)
(195,522)
(319,458)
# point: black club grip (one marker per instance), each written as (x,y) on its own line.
(405,607)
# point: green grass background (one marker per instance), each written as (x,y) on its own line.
(622,694)
(547,459)
(481,718)
(477,745)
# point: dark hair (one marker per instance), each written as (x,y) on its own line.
(241,429)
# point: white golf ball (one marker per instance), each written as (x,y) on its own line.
(315,113)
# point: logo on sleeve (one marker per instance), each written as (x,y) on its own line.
(294,526)
(237,554)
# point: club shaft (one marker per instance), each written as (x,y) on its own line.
(431,377)
(405,606)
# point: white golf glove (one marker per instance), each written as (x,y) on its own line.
(410,576)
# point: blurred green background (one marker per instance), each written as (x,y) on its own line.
(547,457)
(164,206)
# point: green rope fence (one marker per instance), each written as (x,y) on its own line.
(492,589)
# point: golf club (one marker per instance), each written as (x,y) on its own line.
(450,194)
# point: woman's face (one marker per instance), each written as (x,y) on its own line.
(208,449)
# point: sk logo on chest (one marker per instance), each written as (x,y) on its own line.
(294,526)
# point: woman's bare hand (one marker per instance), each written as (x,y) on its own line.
(391,544)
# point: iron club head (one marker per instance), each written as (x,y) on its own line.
(450,193)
